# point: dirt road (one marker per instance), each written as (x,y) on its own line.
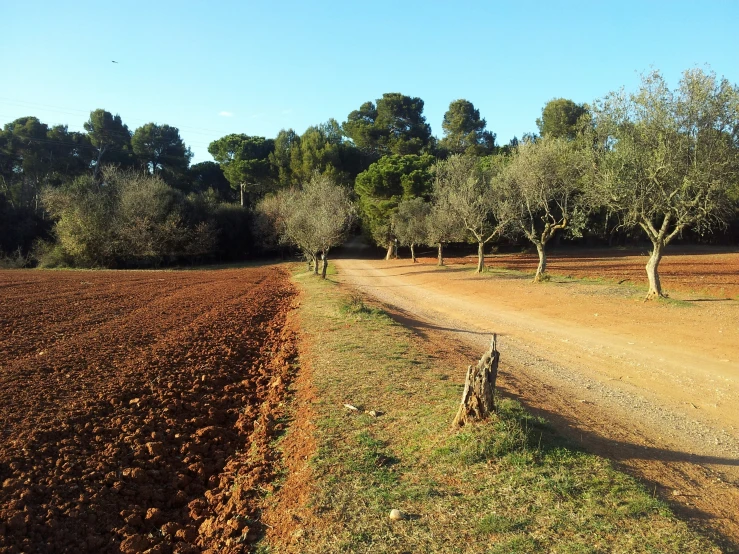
(654,386)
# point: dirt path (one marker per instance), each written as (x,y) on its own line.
(653,386)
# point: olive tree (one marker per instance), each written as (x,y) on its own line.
(668,158)
(318,218)
(442,227)
(462,186)
(409,223)
(270,219)
(542,192)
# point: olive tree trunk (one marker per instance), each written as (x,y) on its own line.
(324,265)
(440,256)
(479,388)
(315,263)
(542,267)
(389,255)
(413,253)
(480,257)
(655,287)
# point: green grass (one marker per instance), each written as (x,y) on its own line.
(509,485)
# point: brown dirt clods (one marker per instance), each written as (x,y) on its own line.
(137,408)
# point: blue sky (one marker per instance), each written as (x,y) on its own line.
(213,68)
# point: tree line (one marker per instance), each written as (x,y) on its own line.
(656,161)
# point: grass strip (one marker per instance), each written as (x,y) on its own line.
(510,485)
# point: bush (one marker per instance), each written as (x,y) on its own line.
(136,219)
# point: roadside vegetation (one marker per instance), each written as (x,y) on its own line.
(509,485)
(657,163)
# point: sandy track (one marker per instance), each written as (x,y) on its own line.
(652,386)
(136,408)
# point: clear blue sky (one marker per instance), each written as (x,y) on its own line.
(213,68)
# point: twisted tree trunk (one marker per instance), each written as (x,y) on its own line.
(479,388)
(440,257)
(324,266)
(542,267)
(655,287)
(413,252)
(480,257)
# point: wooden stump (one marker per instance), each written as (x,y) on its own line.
(479,388)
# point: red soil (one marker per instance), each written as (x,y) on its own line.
(698,270)
(137,408)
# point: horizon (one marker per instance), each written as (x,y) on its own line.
(302,65)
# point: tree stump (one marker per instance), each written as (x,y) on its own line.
(479,388)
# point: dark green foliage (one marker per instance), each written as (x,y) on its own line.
(209,176)
(245,163)
(32,156)
(396,125)
(464,131)
(20,227)
(384,184)
(160,150)
(287,146)
(111,139)
(234,240)
(322,149)
(134,219)
(562,118)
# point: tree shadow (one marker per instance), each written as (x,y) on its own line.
(421,327)
(625,454)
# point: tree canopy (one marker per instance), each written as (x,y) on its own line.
(110,137)
(317,217)
(542,191)
(384,184)
(245,162)
(159,149)
(395,125)
(561,118)
(669,158)
(409,223)
(464,131)
(462,186)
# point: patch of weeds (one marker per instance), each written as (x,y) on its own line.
(578,548)
(519,544)
(512,434)
(374,458)
(644,505)
(354,305)
(674,302)
(494,523)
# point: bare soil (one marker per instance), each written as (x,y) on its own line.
(653,386)
(698,270)
(137,409)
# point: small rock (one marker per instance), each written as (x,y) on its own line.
(396,515)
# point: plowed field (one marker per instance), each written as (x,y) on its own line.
(137,408)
